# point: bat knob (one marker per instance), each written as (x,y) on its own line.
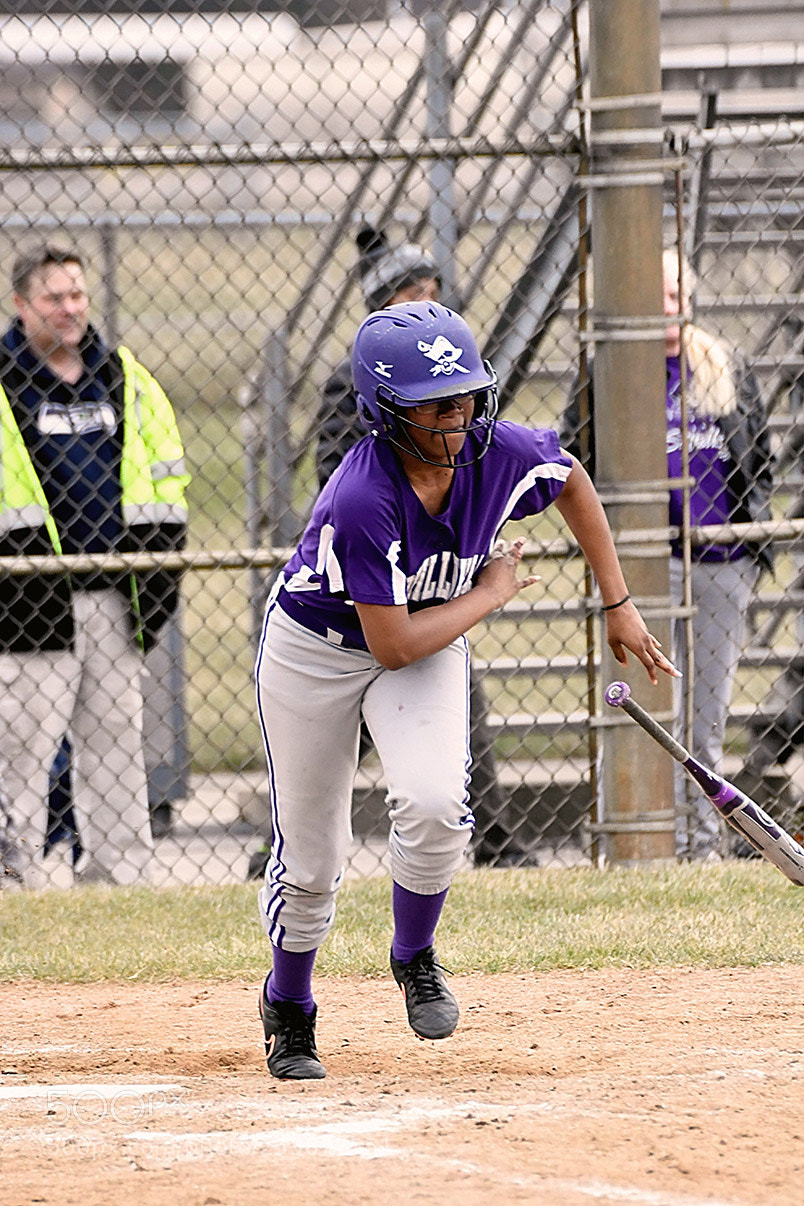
(616,694)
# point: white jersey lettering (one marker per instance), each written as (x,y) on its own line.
(708,437)
(398,584)
(442,576)
(327,562)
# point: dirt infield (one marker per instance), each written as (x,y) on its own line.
(666,1088)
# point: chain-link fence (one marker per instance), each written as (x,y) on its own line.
(214,171)
(742,202)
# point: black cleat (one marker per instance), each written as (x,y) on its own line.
(290,1049)
(161,820)
(432,1010)
(258,862)
(11,875)
(510,856)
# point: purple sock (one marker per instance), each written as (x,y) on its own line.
(290,978)
(415,920)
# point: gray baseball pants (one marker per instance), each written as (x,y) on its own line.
(93,691)
(310,698)
(721,592)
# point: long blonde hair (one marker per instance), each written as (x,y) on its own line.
(713,388)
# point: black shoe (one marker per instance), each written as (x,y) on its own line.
(92,873)
(432,1009)
(161,820)
(290,1041)
(10,865)
(510,856)
(258,862)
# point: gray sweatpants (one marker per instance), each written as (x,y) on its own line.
(721,592)
(93,691)
(310,698)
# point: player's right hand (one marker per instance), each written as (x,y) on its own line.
(499,574)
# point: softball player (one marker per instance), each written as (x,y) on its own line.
(401,557)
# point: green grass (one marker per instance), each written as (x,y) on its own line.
(737,914)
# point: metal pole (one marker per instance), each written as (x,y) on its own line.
(107,237)
(626,178)
(583,411)
(165,742)
(443,219)
(268,463)
(282,522)
(253,436)
(699,185)
(684,303)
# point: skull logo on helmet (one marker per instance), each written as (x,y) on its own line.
(415,353)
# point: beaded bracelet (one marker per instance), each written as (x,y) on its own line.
(611,606)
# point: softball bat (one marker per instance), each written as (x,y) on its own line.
(738,810)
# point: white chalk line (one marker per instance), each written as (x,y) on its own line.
(344,1138)
(338,1137)
(7,1049)
(166,1093)
(105,1091)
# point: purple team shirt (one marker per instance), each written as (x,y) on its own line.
(370,539)
(711,499)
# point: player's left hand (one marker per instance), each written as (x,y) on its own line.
(625,629)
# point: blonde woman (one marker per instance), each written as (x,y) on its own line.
(731,464)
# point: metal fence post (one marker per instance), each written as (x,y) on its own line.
(271,516)
(443,219)
(107,238)
(281,520)
(167,758)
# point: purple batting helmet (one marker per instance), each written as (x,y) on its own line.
(414,353)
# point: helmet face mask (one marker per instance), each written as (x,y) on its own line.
(417,353)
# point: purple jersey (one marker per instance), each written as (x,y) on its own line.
(711,501)
(370,539)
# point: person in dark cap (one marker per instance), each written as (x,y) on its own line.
(390,276)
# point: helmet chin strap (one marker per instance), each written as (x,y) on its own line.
(394,423)
(450,463)
(413,450)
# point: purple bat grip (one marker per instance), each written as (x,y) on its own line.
(617,694)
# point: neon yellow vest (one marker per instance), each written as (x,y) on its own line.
(153,476)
